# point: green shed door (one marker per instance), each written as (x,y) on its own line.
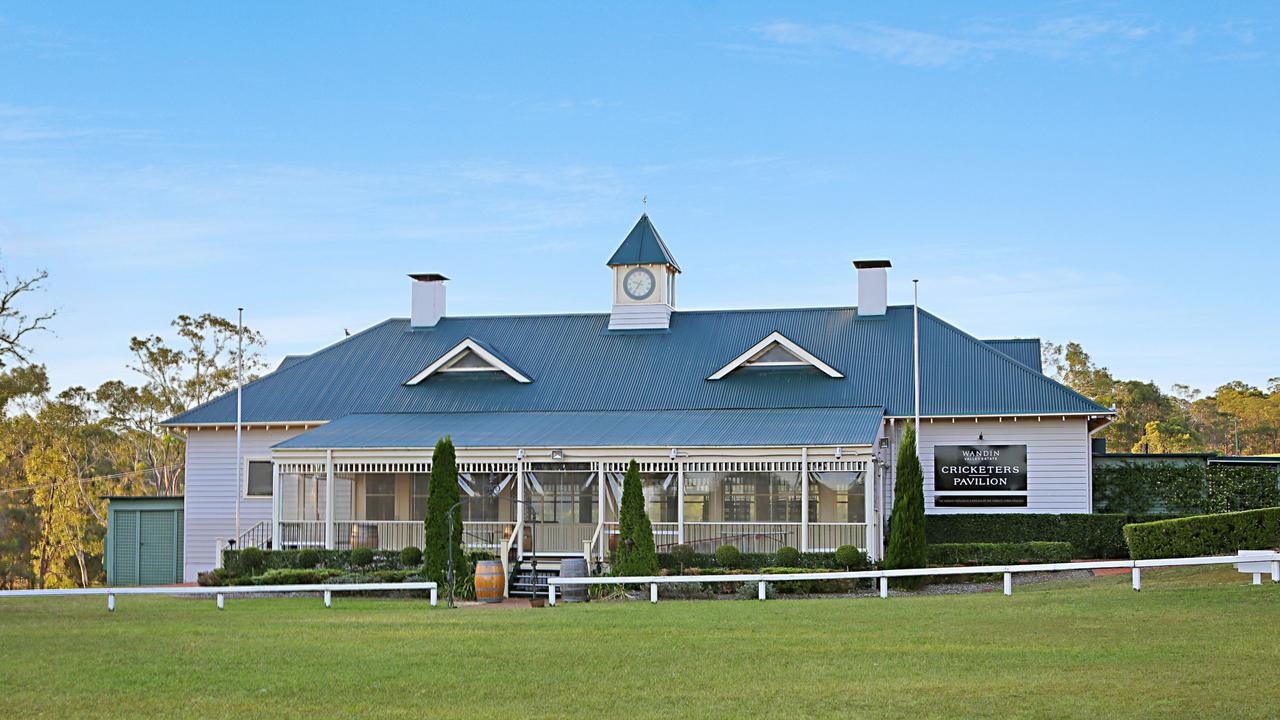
(157,547)
(124,547)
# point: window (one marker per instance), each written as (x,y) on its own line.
(380,497)
(563,492)
(258,481)
(837,497)
(419,495)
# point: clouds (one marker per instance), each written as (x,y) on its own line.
(1075,37)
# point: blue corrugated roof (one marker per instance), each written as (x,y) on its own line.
(643,246)
(289,360)
(1024,350)
(577,365)
(662,429)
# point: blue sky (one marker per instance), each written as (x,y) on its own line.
(1107,173)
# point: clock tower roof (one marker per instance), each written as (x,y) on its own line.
(643,246)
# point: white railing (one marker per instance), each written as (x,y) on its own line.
(386,534)
(220,592)
(1250,562)
(827,536)
(749,537)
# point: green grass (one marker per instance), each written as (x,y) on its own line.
(1194,643)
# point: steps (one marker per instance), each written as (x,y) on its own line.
(524,584)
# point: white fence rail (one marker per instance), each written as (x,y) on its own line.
(1250,562)
(220,592)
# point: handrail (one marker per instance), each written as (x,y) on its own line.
(220,591)
(883,575)
(595,537)
(516,531)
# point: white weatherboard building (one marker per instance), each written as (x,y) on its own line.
(756,428)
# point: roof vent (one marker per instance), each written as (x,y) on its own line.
(873,287)
(428,299)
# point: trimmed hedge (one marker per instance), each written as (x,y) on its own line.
(999,553)
(1219,534)
(757,561)
(1091,536)
(310,559)
(1183,487)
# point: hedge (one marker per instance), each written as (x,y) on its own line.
(1219,534)
(756,561)
(1183,488)
(310,559)
(1091,536)
(999,553)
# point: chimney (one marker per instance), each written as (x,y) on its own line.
(428,299)
(873,287)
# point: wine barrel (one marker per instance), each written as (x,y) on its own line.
(573,567)
(364,536)
(490,581)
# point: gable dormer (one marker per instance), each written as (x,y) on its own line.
(469,356)
(644,280)
(776,351)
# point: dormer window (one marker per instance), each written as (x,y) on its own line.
(776,351)
(469,356)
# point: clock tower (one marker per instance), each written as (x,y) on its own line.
(644,280)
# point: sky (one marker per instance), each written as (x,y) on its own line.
(1106,173)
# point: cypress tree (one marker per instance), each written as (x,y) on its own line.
(442,494)
(636,554)
(907,545)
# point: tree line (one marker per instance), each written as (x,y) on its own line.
(1236,419)
(62,453)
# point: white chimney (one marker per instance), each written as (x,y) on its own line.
(873,287)
(428,299)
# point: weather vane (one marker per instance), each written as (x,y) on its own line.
(644,204)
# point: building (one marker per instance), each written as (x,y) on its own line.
(759,428)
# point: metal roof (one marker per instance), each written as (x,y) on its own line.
(643,246)
(1024,350)
(578,365)
(662,429)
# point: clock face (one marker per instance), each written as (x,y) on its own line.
(638,284)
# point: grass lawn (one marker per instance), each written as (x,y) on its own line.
(1193,643)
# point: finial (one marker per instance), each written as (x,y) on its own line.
(644,204)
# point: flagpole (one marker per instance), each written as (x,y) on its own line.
(915,348)
(239,387)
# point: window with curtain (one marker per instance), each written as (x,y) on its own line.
(837,497)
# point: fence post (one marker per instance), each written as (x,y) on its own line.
(433,597)
(111,602)
(328,598)
(653,592)
(884,587)
(1008,583)
(1137,578)
(551,594)
(761,589)
(219,601)
(1275,571)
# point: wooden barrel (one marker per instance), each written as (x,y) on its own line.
(573,567)
(364,536)
(489,581)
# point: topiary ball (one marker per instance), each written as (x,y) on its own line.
(684,555)
(848,556)
(410,557)
(361,557)
(308,559)
(787,556)
(252,561)
(728,556)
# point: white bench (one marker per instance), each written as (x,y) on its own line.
(1265,563)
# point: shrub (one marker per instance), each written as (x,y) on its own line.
(787,556)
(751,590)
(728,556)
(216,577)
(848,557)
(252,561)
(1183,487)
(1205,534)
(307,559)
(296,576)
(361,557)
(856,560)
(807,587)
(442,496)
(684,591)
(410,557)
(1091,536)
(683,556)
(636,554)
(907,547)
(999,553)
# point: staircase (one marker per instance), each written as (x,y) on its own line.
(523,583)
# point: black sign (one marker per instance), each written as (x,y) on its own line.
(980,468)
(979,500)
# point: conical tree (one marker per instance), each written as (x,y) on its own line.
(636,554)
(442,494)
(907,547)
